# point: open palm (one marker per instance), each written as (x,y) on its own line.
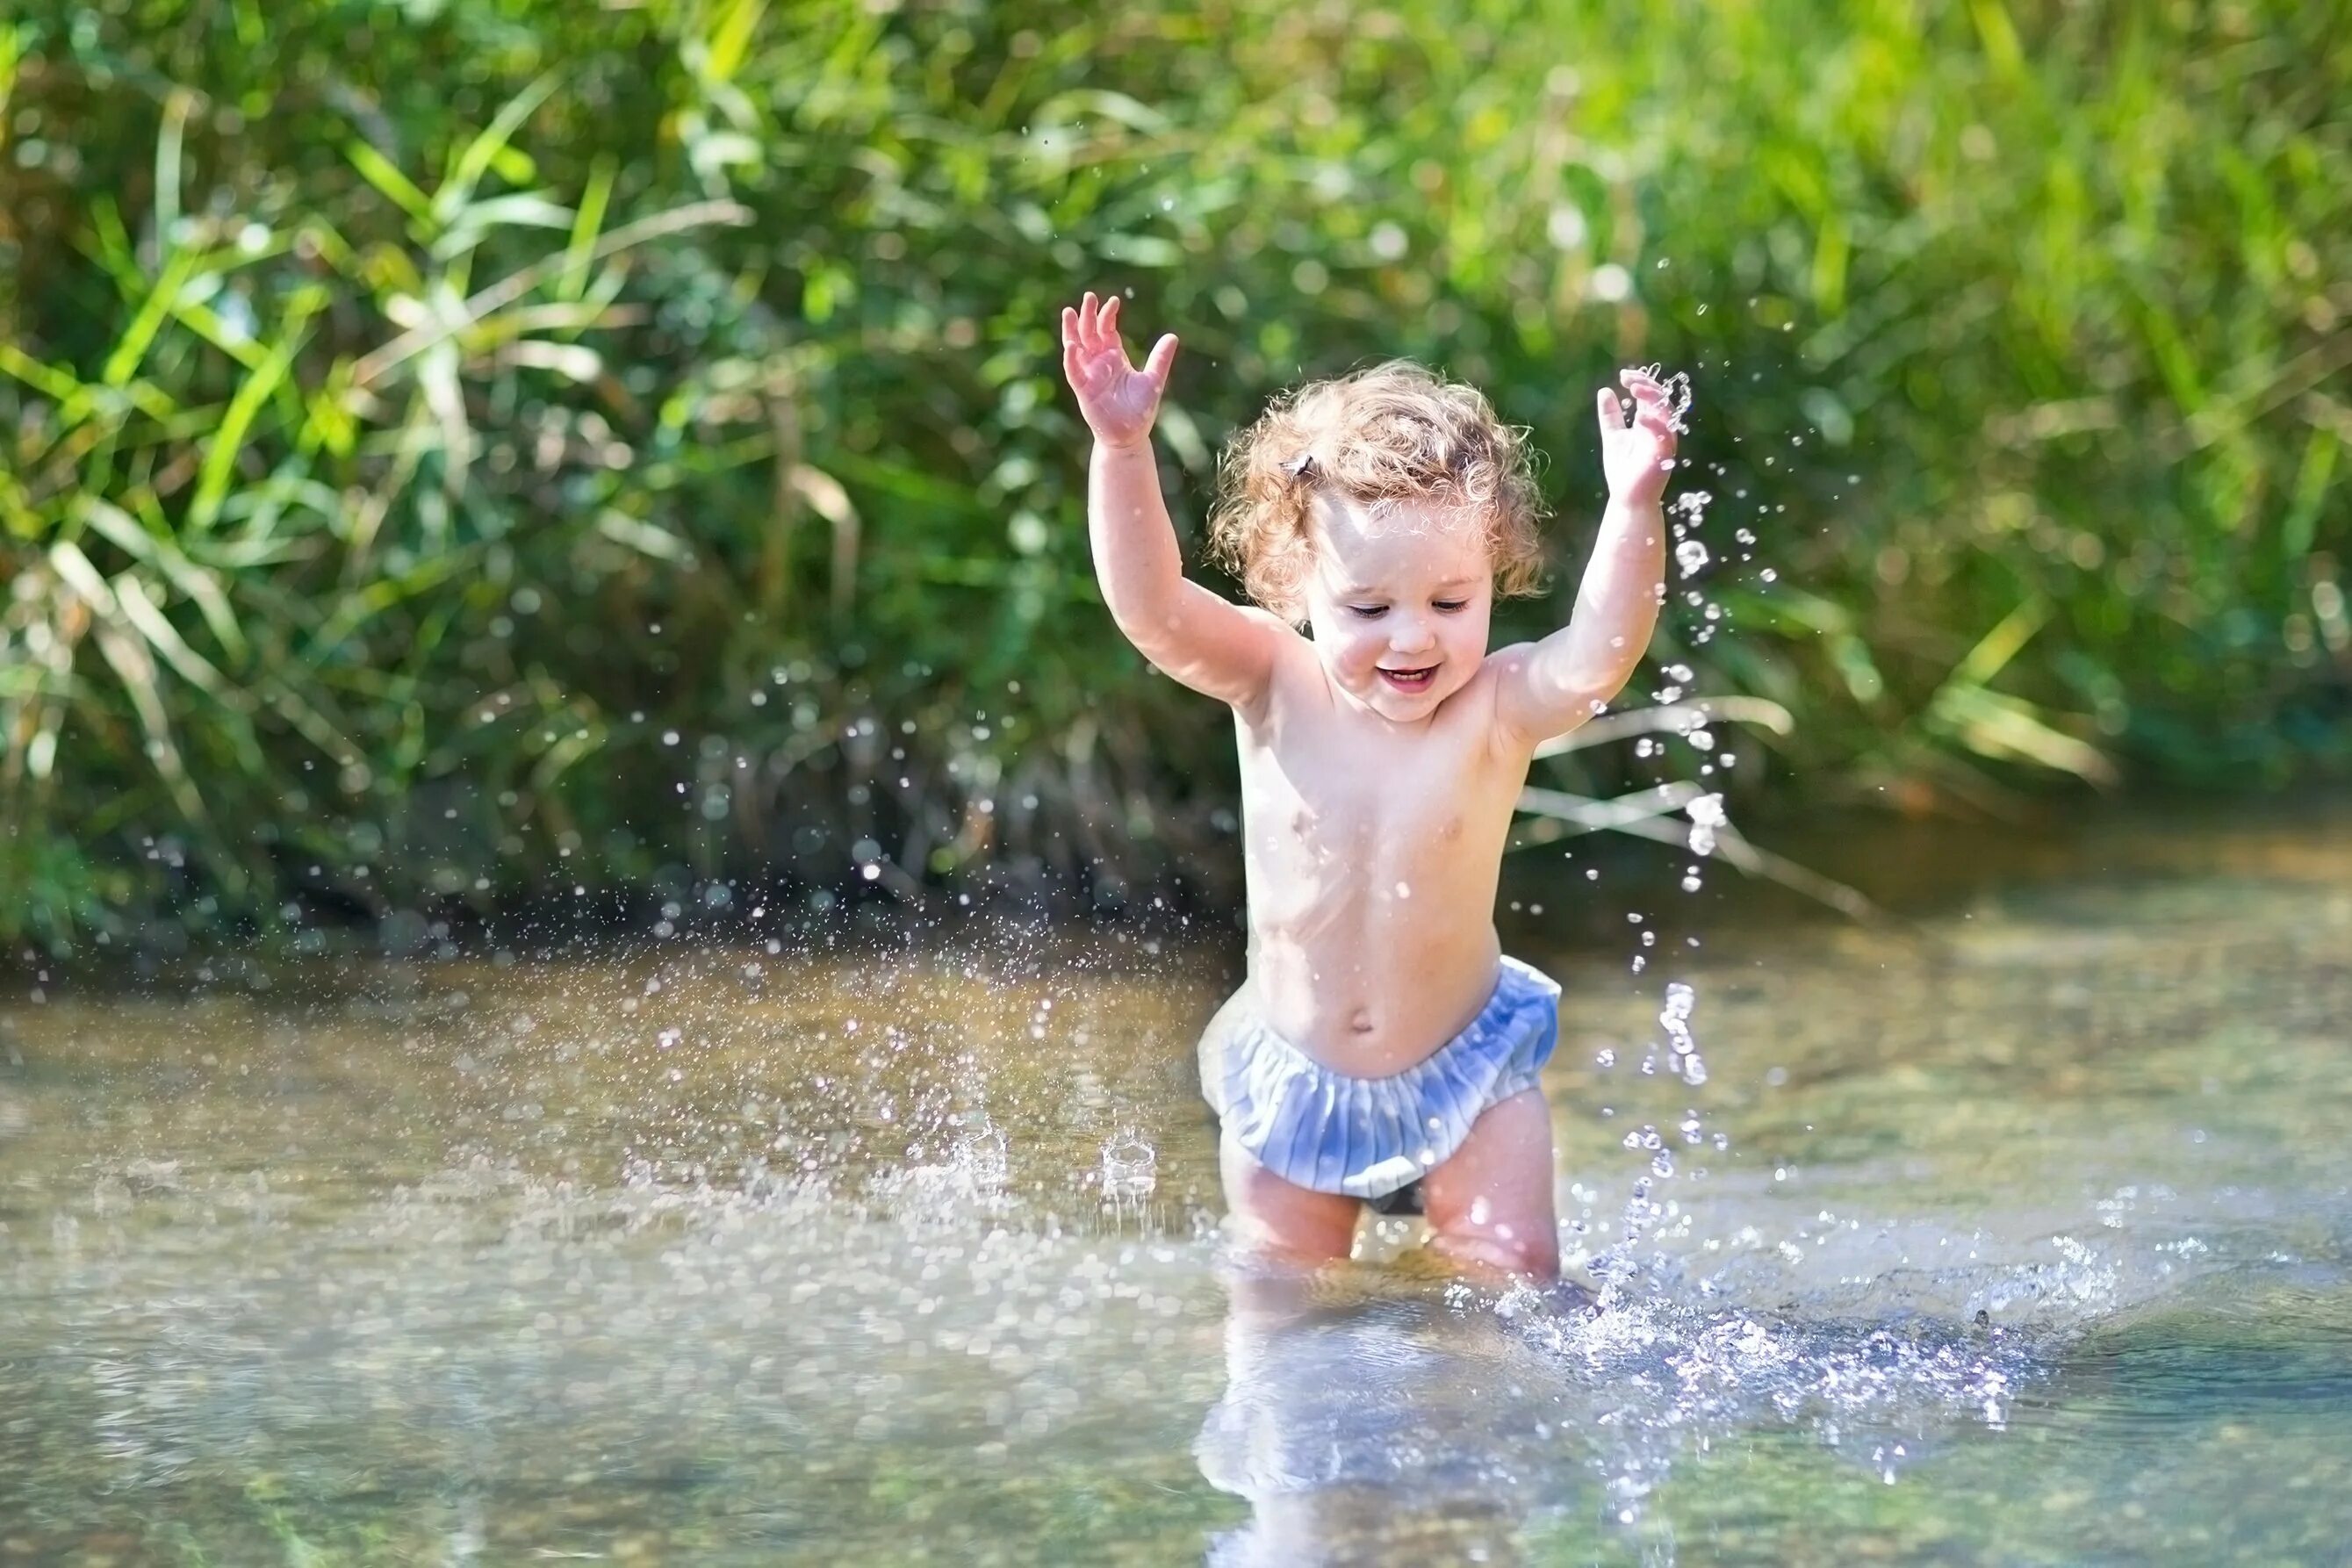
(1636,453)
(1119,401)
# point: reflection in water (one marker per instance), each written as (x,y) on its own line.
(1361,1427)
(1364,1411)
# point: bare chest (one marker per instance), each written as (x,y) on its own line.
(1318,797)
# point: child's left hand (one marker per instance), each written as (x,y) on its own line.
(1636,456)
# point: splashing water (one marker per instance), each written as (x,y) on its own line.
(1689,510)
(1674,1018)
(985,1155)
(1678,393)
(1687,514)
(1129,1165)
(1647,1217)
(1671,1380)
(1706,819)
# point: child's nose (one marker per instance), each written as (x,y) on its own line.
(1411,633)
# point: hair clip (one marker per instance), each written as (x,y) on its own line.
(1299,467)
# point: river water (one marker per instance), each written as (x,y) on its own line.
(2016,1229)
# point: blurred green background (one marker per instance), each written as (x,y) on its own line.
(458,452)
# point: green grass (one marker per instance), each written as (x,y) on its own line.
(415,416)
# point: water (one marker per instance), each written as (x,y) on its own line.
(2020,1233)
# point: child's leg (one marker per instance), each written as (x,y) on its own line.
(1490,1205)
(1271,1214)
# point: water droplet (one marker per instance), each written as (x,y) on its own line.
(1129,1165)
(1706,816)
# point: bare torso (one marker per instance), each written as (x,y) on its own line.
(1373,850)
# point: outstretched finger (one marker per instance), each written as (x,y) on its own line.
(1163,355)
(1612,414)
(1090,321)
(1110,325)
(1069,327)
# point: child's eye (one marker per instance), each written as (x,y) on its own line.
(1450,606)
(1370,611)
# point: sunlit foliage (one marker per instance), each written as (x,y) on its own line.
(471,445)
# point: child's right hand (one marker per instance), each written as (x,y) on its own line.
(1119,402)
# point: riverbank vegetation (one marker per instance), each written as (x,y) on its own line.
(466,451)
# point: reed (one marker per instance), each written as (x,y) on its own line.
(464,449)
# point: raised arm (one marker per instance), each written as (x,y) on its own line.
(1555,685)
(1213,646)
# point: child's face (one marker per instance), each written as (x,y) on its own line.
(1399,600)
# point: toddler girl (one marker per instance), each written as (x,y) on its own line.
(1383,1041)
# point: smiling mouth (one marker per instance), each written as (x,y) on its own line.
(1409,680)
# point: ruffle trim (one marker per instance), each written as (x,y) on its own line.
(1368,1137)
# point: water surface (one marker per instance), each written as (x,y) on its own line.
(2021,1231)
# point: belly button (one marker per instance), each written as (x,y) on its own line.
(1362,1021)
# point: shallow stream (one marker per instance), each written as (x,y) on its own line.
(2017,1230)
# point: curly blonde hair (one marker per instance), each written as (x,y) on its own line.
(1393,431)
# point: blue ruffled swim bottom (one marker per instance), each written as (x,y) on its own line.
(1372,1137)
